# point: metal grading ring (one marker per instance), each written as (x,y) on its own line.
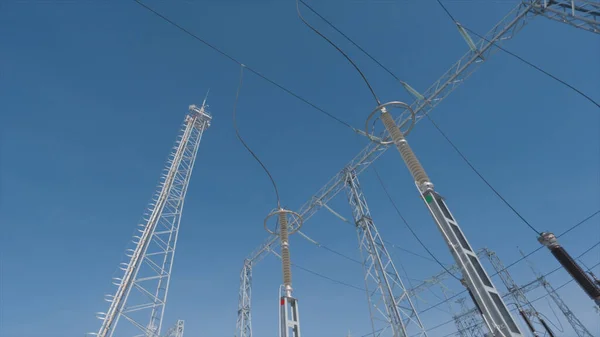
(397,104)
(291,230)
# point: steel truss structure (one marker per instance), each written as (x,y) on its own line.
(583,15)
(468,322)
(526,309)
(389,302)
(142,291)
(578,327)
(244,321)
(176,330)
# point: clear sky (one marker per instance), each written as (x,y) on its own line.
(93,94)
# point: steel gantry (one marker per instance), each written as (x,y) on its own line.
(583,14)
(578,327)
(176,330)
(468,323)
(141,295)
(530,315)
(244,321)
(389,302)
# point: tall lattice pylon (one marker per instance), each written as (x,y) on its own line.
(391,308)
(141,295)
(244,321)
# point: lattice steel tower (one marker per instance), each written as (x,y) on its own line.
(141,295)
(390,304)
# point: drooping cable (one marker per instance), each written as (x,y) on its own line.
(237,133)
(468,162)
(414,234)
(321,275)
(231,58)
(559,329)
(320,245)
(338,49)
(520,58)
(349,40)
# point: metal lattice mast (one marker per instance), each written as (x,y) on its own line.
(176,330)
(528,312)
(389,301)
(244,322)
(141,295)
(426,101)
(578,327)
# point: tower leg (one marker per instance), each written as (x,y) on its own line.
(388,299)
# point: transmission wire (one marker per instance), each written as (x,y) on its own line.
(408,226)
(349,39)
(237,133)
(338,49)
(481,176)
(231,58)
(518,260)
(452,320)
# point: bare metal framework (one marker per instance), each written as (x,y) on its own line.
(583,15)
(392,310)
(467,321)
(176,330)
(141,295)
(528,312)
(578,327)
(244,322)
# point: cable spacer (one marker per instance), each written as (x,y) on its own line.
(405,119)
(293,225)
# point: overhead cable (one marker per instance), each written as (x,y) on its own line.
(231,58)
(237,133)
(338,49)
(409,227)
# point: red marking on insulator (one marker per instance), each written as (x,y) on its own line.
(282,301)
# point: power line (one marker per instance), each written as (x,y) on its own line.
(468,162)
(231,58)
(408,226)
(349,39)
(338,49)
(539,298)
(512,264)
(320,245)
(237,133)
(321,275)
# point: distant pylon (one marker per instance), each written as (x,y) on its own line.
(141,295)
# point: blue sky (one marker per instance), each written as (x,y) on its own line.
(93,94)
